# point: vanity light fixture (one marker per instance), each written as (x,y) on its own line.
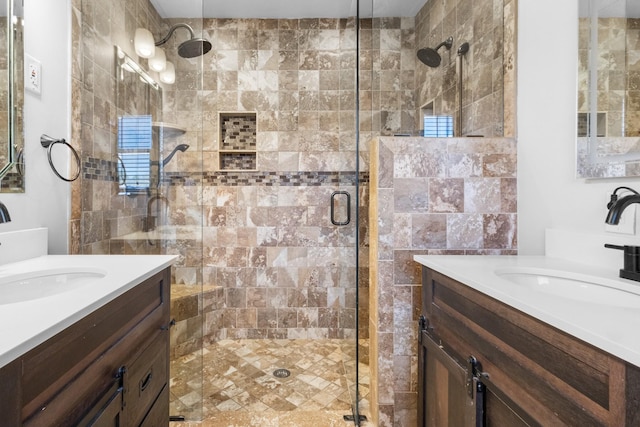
(158,62)
(168,76)
(146,47)
(144,43)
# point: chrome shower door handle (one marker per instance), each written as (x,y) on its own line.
(334,221)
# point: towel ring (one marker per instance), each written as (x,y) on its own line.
(48,142)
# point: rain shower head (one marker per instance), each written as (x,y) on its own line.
(194,47)
(191,48)
(431,57)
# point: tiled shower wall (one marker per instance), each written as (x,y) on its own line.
(98,213)
(489,28)
(453,196)
(268,243)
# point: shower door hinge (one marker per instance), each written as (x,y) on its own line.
(361,418)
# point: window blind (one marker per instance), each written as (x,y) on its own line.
(134,148)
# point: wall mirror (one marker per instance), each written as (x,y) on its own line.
(11,96)
(139,107)
(608,123)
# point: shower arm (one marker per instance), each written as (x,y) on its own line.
(175,27)
(447,43)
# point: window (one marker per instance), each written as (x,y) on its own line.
(438,126)
(134,149)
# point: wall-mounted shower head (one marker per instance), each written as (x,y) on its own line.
(192,47)
(181,147)
(463,49)
(431,57)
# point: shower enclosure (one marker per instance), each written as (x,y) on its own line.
(246,166)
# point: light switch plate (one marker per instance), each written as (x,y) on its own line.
(33,75)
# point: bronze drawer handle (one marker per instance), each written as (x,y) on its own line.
(144,383)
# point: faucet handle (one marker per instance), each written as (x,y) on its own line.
(631,268)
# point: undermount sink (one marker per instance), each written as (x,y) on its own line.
(569,285)
(34,285)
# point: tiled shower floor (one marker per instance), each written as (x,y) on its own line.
(240,389)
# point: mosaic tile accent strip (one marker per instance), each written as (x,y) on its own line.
(99,169)
(259,178)
(238,131)
(12,180)
(237,161)
(104,170)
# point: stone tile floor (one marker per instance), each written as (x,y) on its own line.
(240,390)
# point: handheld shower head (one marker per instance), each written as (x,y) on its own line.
(181,147)
(463,49)
(191,48)
(431,57)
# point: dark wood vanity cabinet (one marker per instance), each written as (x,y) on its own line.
(110,368)
(484,363)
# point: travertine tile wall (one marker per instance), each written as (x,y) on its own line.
(98,212)
(488,26)
(428,196)
(387,77)
(267,236)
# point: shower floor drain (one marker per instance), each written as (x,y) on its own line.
(281,373)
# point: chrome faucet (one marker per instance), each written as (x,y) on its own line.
(150,220)
(617,206)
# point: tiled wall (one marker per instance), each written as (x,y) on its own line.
(428,196)
(387,77)
(489,28)
(98,212)
(267,237)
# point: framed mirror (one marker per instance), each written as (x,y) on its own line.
(608,122)
(139,107)
(11,96)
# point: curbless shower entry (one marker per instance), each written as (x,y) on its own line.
(248,208)
(263,209)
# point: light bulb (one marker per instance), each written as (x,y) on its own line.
(168,76)
(144,44)
(159,61)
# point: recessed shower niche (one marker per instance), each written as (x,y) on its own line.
(237,138)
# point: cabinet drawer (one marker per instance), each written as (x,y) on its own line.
(145,379)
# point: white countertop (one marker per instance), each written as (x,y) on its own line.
(24,325)
(611,328)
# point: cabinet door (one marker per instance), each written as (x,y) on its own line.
(107,412)
(501,412)
(446,391)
